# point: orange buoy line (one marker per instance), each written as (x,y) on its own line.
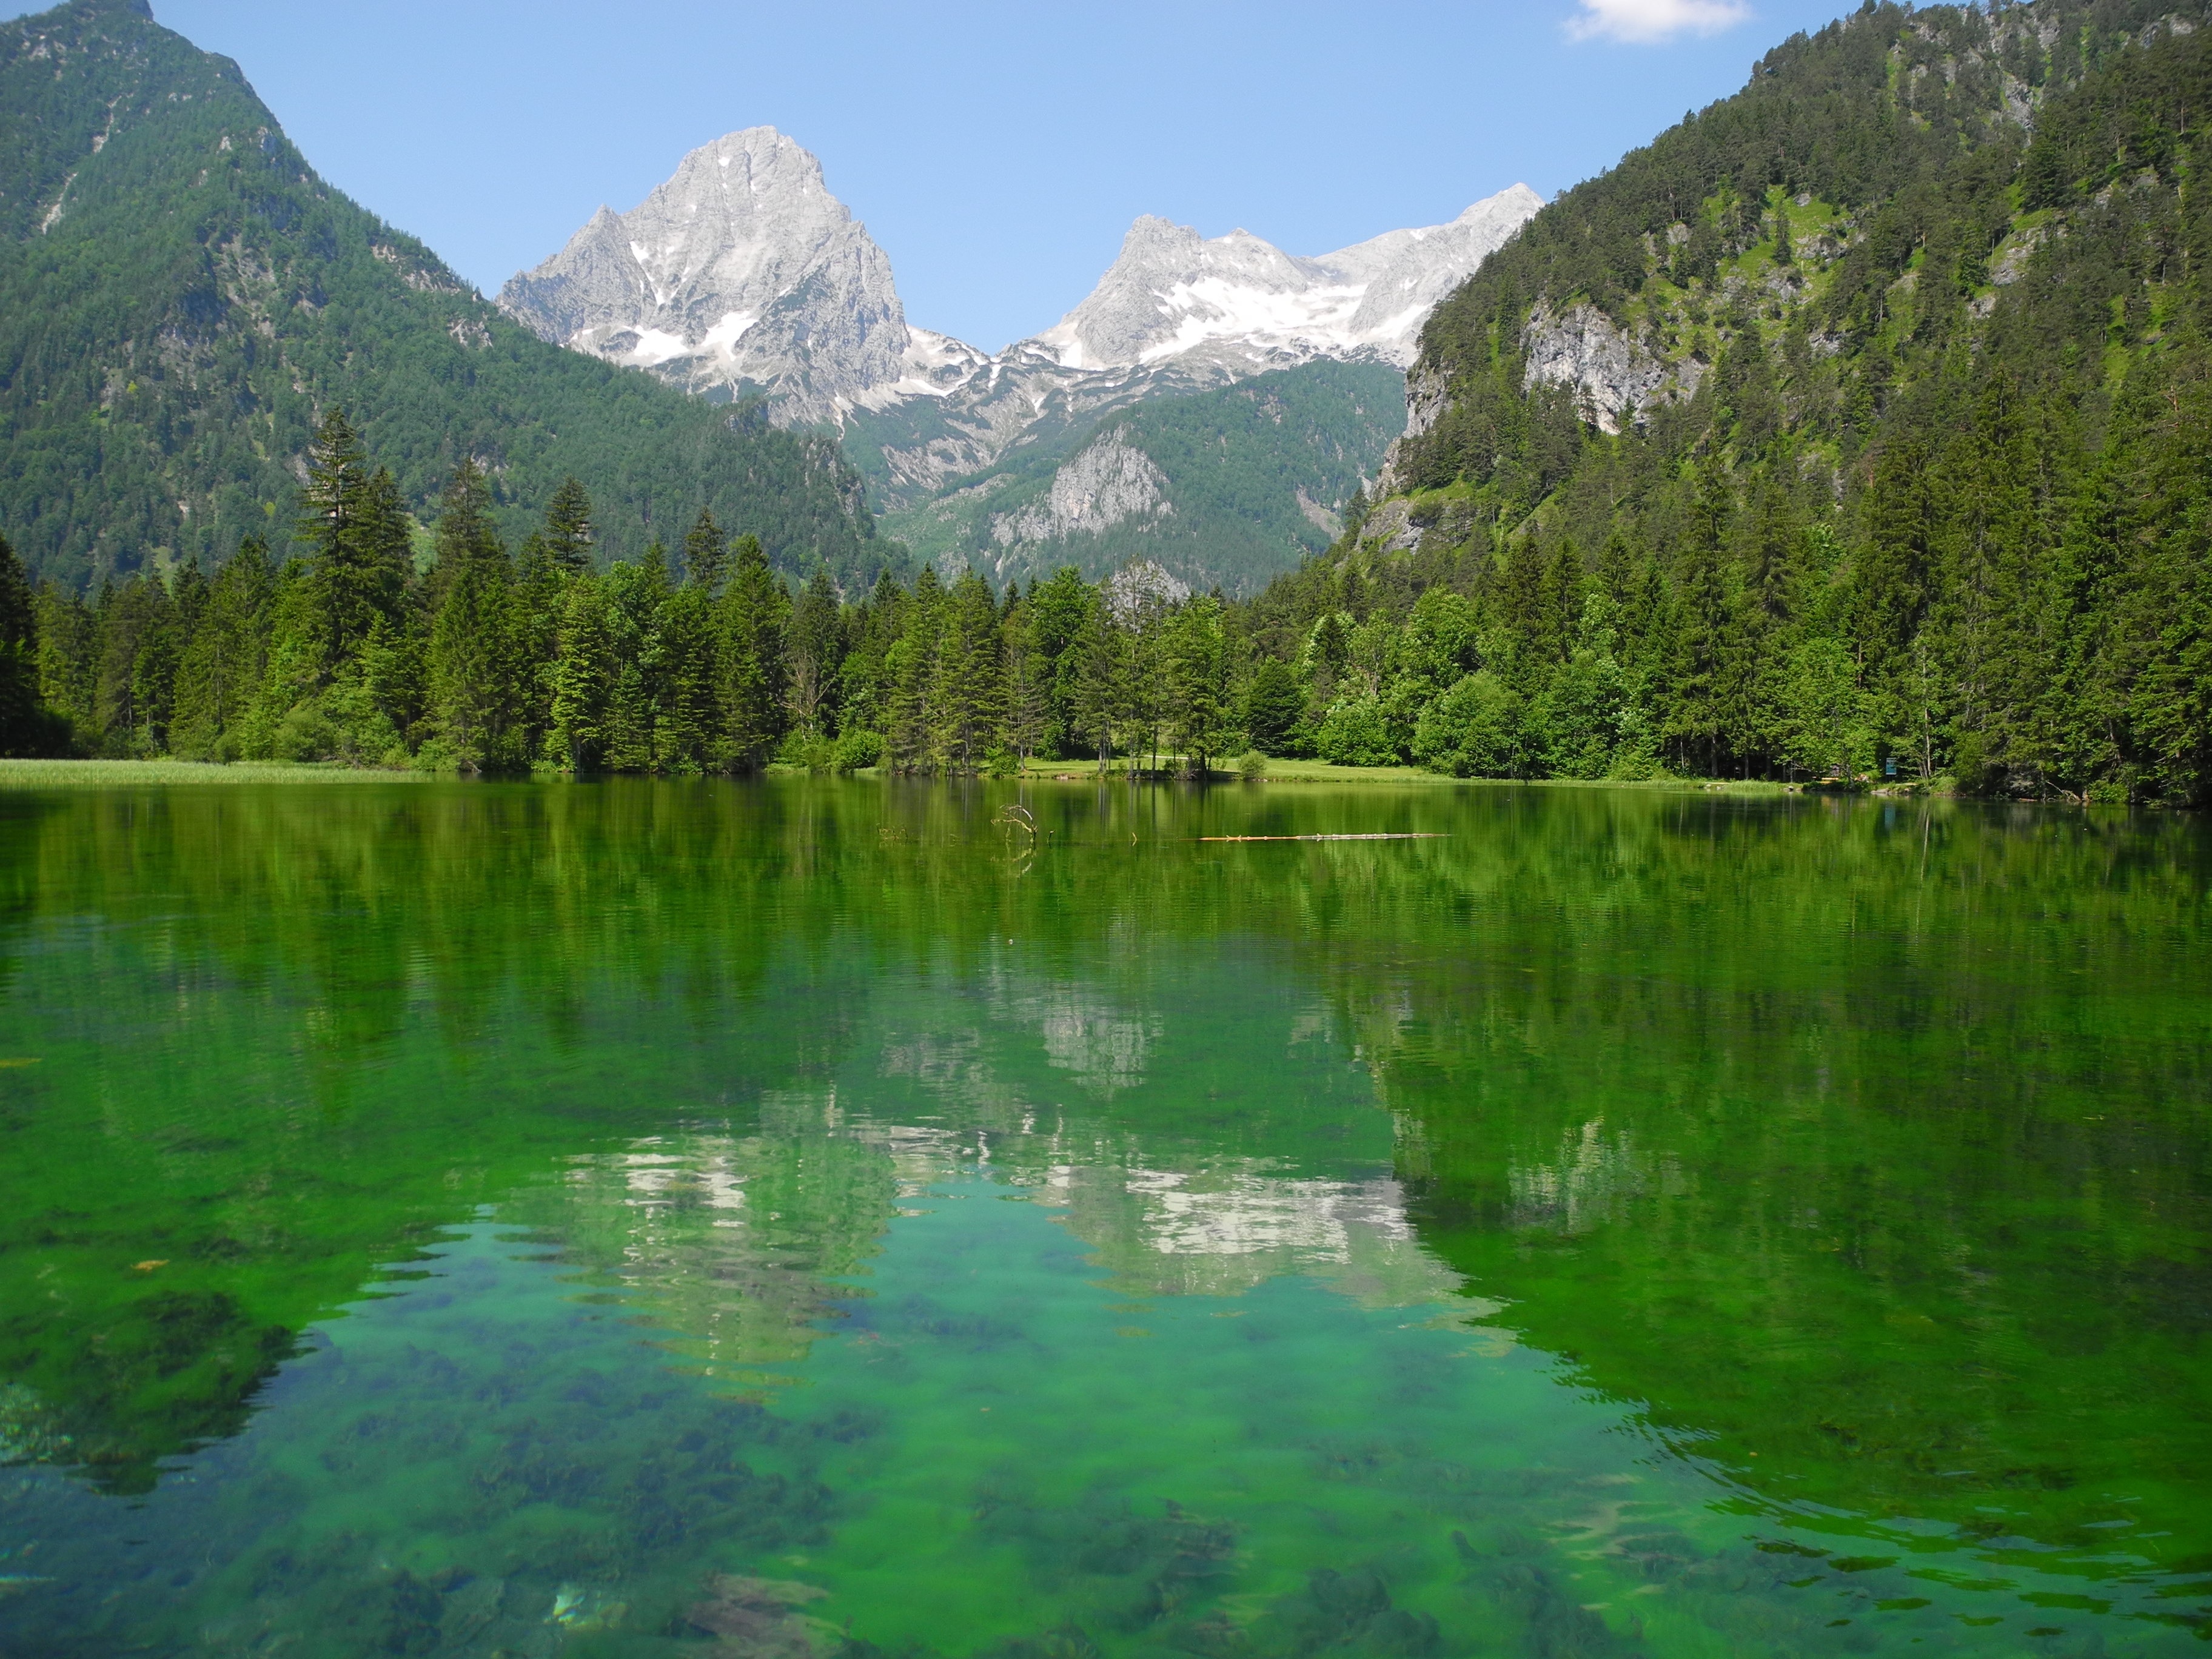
(1409,834)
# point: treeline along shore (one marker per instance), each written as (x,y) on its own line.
(355,647)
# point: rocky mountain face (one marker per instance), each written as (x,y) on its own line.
(1175,313)
(1238,302)
(742,274)
(1224,487)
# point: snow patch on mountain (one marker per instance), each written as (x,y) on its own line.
(1173,293)
(741,272)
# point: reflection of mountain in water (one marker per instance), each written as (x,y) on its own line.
(732,1243)
(1804,1123)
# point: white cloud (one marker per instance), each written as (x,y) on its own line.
(1644,21)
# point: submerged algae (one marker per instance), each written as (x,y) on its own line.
(1648,1224)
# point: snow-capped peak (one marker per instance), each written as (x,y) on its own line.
(741,269)
(1172,293)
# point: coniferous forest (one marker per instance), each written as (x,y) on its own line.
(1860,426)
(698,659)
(1857,429)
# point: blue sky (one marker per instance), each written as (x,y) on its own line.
(997,152)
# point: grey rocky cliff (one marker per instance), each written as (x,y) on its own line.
(1106,483)
(1237,300)
(742,272)
(1615,374)
(1177,312)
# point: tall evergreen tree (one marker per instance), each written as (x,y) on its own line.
(220,671)
(815,653)
(583,681)
(753,615)
(474,644)
(25,726)
(569,533)
(968,690)
(706,554)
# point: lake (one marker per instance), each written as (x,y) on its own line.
(842,1217)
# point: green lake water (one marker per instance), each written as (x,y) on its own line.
(814,1217)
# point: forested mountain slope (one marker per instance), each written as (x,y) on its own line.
(181,297)
(1859,424)
(1224,488)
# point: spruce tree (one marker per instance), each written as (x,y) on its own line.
(68,645)
(816,653)
(689,738)
(636,592)
(706,554)
(569,534)
(1100,693)
(583,681)
(356,526)
(220,673)
(1059,609)
(1197,676)
(968,714)
(753,617)
(25,726)
(474,643)
(911,670)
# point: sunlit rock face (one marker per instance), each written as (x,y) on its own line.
(1239,302)
(1179,312)
(742,272)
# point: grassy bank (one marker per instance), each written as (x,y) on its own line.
(62,774)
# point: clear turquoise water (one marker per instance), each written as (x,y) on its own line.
(808,1218)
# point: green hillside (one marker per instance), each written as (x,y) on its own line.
(1250,480)
(180,297)
(1859,425)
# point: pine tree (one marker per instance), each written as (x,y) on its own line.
(752,640)
(474,644)
(25,726)
(706,554)
(583,681)
(569,534)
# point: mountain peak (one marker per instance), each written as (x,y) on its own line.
(1172,293)
(741,271)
